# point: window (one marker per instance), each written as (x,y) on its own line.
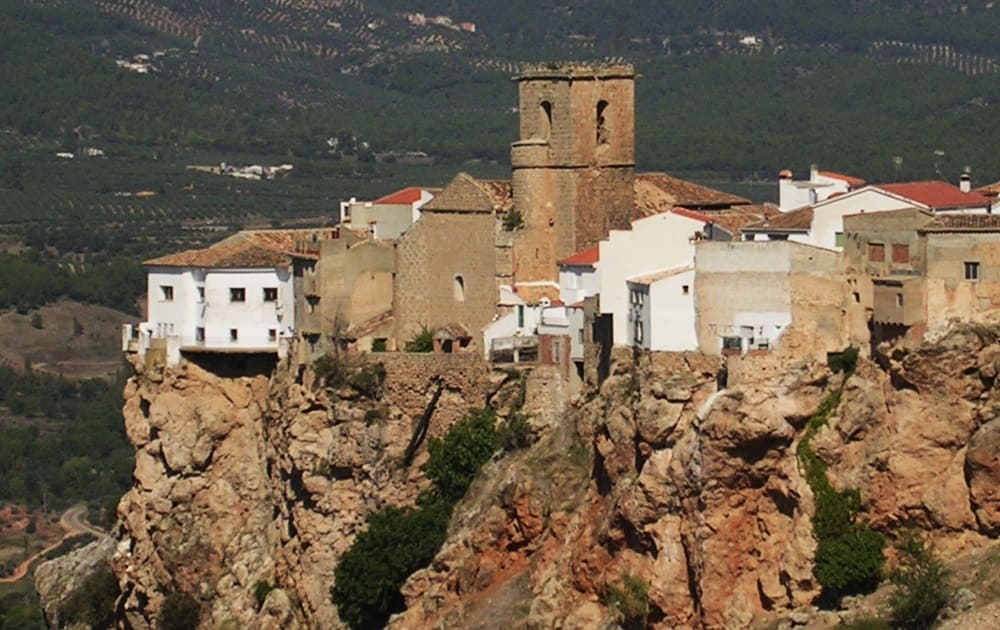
(272,334)
(167,293)
(312,302)
(545,120)
(199,333)
(900,253)
(234,334)
(876,252)
(857,297)
(459,288)
(520,315)
(732,343)
(638,331)
(899,300)
(270,294)
(838,239)
(601,129)
(237,294)
(201,294)
(972,271)
(685,290)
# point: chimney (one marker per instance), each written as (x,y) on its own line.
(965,183)
(813,172)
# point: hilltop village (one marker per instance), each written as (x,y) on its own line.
(576,253)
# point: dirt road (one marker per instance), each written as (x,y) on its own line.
(72,523)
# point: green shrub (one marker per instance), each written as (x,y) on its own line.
(629,600)
(515,433)
(92,604)
(261,590)
(845,361)
(398,542)
(921,584)
(379,345)
(36,321)
(423,341)
(368,379)
(180,612)
(513,221)
(455,460)
(331,370)
(849,556)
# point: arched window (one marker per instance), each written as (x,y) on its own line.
(459,288)
(545,120)
(599,123)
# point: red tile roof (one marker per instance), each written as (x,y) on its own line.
(587,257)
(853,181)
(794,221)
(936,194)
(404,196)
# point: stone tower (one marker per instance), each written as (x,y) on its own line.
(574,165)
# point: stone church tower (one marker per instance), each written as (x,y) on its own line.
(574,165)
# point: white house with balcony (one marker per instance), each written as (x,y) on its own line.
(233,297)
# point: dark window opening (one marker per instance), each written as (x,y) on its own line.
(972,271)
(237,294)
(233,334)
(601,128)
(270,294)
(168,293)
(545,120)
(199,333)
(272,334)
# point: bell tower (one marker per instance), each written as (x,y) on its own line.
(574,165)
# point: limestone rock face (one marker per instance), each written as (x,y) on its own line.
(654,475)
(268,479)
(56,579)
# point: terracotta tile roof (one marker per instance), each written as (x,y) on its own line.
(734,220)
(404,196)
(853,181)
(586,257)
(252,249)
(691,214)
(795,221)
(659,192)
(936,194)
(656,276)
(963,223)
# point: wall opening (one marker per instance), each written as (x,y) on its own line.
(600,125)
(459,288)
(545,120)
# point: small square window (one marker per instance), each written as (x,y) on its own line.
(234,334)
(167,293)
(972,271)
(857,297)
(270,294)
(685,290)
(876,252)
(201,294)
(237,294)
(899,299)
(199,333)
(272,334)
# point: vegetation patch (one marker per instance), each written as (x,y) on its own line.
(261,590)
(423,341)
(629,601)
(92,604)
(849,556)
(180,611)
(399,541)
(921,581)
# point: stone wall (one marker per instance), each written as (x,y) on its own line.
(441,249)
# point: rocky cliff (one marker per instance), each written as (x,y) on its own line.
(263,481)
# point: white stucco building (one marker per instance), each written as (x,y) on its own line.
(233,297)
(822,224)
(821,185)
(660,242)
(579,275)
(662,314)
(387,217)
